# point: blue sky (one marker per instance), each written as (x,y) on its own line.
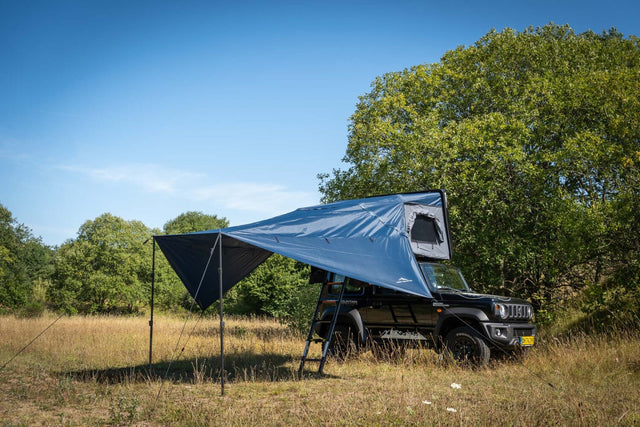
(147,109)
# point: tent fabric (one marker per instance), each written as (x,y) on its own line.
(425,225)
(366,239)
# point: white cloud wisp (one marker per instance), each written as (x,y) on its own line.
(265,199)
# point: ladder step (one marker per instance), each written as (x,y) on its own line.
(318,340)
(313,360)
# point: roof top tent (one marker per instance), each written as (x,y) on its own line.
(375,240)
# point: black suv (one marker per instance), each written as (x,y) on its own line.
(468,325)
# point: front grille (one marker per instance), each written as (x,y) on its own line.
(519,311)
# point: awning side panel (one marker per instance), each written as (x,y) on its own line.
(189,254)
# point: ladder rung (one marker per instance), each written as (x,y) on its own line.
(321,322)
(318,340)
(313,360)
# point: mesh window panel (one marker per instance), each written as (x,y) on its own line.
(424,230)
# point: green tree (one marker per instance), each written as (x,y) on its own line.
(106,269)
(24,261)
(191,221)
(271,289)
(535,135)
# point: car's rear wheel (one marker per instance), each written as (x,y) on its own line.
(343,342)
(465,345)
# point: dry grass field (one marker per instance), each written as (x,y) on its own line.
(94,371)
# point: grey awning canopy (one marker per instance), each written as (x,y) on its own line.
(374,240)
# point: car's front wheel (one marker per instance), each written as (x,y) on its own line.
(467,346)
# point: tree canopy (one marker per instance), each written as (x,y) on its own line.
(191,221)
(106,269)
(535,137)
(24,260)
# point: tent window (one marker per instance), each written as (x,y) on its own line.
(425,230)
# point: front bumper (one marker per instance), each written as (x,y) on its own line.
(508,334)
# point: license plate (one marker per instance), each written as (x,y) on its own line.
(525,341)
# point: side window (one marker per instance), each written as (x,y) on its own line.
(379,290)
(353,287)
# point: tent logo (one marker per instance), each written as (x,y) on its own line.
(403,280)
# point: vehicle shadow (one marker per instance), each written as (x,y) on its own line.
(239,367)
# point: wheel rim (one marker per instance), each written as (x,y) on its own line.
(463,349)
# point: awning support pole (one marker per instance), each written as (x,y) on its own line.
(153,285)
(221,318)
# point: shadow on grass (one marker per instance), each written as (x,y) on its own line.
(239,367)
(262,332)
(602,323)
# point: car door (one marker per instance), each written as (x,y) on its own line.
(398,315)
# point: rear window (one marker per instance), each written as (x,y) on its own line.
(353,287)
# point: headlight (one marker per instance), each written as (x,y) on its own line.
(501,311)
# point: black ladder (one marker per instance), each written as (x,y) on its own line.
(315,322)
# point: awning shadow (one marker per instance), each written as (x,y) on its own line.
(239,367)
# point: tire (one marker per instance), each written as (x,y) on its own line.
(465,345)
(342,343)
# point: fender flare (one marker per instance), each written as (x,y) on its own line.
(353,317)
(457,313)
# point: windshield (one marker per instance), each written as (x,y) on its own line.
(441,276)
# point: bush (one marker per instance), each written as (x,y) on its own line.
(302,304)
(269,289)
(31,310)
(613,305)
